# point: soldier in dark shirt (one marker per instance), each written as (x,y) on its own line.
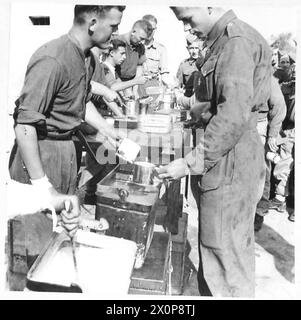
(56,97)
(234,81)
(54,100)
(132,66)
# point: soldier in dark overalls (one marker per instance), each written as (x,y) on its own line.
(233,82)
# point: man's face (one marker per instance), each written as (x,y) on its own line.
(154,27)
(118,55)
(138,36)
(104,26)
(193,50)
(196,20)
(284,63)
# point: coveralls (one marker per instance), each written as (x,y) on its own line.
(234,81)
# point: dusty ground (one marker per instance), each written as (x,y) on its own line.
(274,251)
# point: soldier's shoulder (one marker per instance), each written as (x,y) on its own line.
(185,61)
(240,29)
(236,28)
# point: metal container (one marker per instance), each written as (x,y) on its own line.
(144,172)
(98,258)
(129,208)
(144,104)
(168,100)
(131,108)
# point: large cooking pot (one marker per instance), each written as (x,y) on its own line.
(144,172)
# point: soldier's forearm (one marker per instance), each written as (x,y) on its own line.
(94,119)
(27,140)
(113,106)
(99,89)
(122,85)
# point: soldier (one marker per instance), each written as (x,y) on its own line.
(54,100)
(269,124)
(188,67)
(132,66)
(234,81)
(156,56)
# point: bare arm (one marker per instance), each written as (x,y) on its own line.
(26,136)
(102,90)
(163,61)
(277,108)
(122,85)
(139,73)
(42,80)
(94,118)
(113,106)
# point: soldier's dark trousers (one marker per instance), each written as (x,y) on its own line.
(29,234)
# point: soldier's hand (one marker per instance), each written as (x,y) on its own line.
(174,170)
(141,80)
(199,110)
(69,216)
(272,144)
(112,96)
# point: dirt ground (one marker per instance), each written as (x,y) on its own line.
(274,252)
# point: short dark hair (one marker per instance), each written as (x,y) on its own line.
(115,44)
(144,25)
(81,10)
(150,17)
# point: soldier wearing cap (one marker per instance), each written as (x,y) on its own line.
(188,67)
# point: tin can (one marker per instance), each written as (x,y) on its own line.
(131,104)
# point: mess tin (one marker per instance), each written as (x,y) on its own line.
(144,172)
(99,258)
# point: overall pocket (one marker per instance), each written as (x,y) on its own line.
(220,174)
(205,80)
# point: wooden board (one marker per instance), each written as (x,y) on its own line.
(152,278)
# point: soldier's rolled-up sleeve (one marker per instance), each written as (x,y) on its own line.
(163,60)
(277,108)
(234,100)
(41,82)
(180,75)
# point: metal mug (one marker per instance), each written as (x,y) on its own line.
(131,108)
(168,100)
(128,150)
(144,172)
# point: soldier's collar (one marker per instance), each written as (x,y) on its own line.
(152,44)
(76,43)
(191,61)
(219,27)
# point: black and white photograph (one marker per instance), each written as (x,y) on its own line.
(148,150)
